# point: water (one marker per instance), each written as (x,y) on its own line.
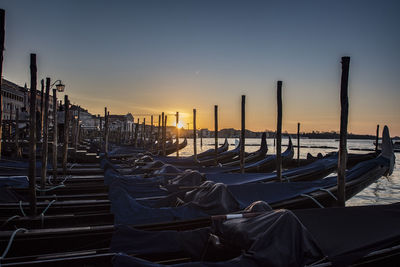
(384,191)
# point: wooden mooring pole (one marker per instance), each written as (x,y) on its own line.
(144,133)
(66,136)
(298,143)
(158,132)
(151,132)
(77,129)
(10,123)
(201,138)
(2,35)
(55,134)
(17,150)
(136,133)
(106,131)
(377,138)
(40,122)
(73,131)
(131,135)
(242,134)
(165,136)
(162,133)
(279,133)
(194,135)
(344,103)
(45,147)
(216,133)
(104,135)
(177,134)
(32,137)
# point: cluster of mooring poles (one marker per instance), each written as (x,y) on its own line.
(39,131)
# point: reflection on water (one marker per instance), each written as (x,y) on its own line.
(384,191)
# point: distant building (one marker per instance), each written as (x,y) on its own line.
(18,97)
(87,120)
(124,122)
(13,99)
(204,133)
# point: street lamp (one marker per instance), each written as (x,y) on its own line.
(60,86)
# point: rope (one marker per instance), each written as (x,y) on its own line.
(49,189)
(48,206)
(62,182)
(44,211)
(10,242)
(287,178)
(22,210)
(329,192)
(49,177)
(66,177)
(73,165)
(319,264)
(9,219)
(316,201)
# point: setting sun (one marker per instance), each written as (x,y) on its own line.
(180,125)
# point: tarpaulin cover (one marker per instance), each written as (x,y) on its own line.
(124,150)
(347,234)
(224,154)
(168,170)
(266,164)
(177,161)
(276,192)
(154,164)
(273,238)
(344,235)
(211,199)
(239,178)
(7,195)
(110,175)
(194,178)
(156,167)
(136,187)
(130,240)
(127,210)
(187,178)
(20,167)
(218,199)
(14,181)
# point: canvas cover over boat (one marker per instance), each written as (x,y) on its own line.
(272,238)
(215,198)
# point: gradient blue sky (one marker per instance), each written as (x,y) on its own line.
(151,56)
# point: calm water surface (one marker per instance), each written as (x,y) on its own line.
(384,191)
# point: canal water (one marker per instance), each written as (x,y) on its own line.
(384,191)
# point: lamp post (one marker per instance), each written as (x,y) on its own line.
(60,88)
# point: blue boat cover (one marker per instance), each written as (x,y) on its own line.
(214,198)
(24,165)
(274,238)
(239,178)
(14,181)
(279,238)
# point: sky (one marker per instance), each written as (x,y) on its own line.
(146,57)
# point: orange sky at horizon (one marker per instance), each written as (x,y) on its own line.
(205,119)
(319,112)
(134,57)
(315,112)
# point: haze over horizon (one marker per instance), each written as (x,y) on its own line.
(146,57)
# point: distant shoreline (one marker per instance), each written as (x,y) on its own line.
(233,133)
